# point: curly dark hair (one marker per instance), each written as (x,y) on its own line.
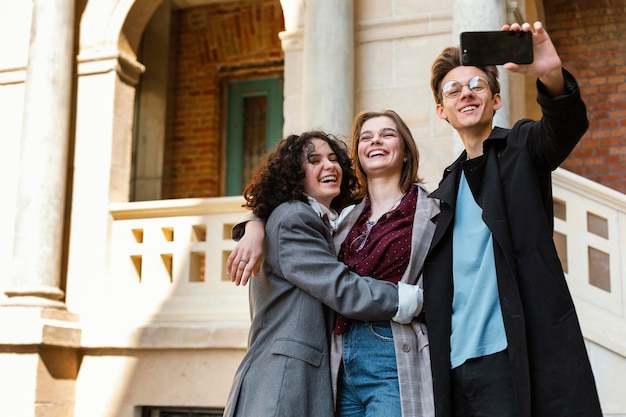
(449,59)
(280,179)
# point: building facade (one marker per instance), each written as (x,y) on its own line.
(130,127)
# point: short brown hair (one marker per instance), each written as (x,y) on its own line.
(449,59)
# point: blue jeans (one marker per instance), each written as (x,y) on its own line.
(368,378)
(483,387)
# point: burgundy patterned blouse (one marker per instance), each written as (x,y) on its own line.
(380,250)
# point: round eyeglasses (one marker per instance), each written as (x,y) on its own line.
(359,242)
(476,84)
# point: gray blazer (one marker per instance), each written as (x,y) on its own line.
(286,371)
(410,340)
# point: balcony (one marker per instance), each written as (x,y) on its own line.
(167,285)
(167,263)
(590,234)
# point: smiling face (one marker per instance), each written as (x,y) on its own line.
(470,113)
(322,172)
(380,148)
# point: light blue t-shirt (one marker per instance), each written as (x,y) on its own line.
(477,325)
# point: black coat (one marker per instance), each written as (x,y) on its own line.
(511,182)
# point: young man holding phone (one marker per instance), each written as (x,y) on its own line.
(504,336)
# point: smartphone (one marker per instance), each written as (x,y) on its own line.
(496,47)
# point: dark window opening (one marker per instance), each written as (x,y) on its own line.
(181,412)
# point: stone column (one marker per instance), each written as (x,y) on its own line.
(478,16)
(328,73)
(147,176)
(43,169)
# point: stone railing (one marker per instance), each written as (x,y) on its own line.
(590,233)
(168,259)
(167,277)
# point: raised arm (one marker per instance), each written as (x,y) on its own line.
(546,63)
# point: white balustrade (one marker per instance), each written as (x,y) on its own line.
(168,258)
(590,232)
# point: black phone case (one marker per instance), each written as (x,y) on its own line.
(496,47)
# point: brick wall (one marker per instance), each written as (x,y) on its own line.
(591,39)
(219,41)
(214,44)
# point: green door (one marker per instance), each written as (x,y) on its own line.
(255,123)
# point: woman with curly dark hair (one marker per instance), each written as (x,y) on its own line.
(281,178)
(286,371)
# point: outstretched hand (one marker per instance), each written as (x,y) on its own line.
(546,63)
